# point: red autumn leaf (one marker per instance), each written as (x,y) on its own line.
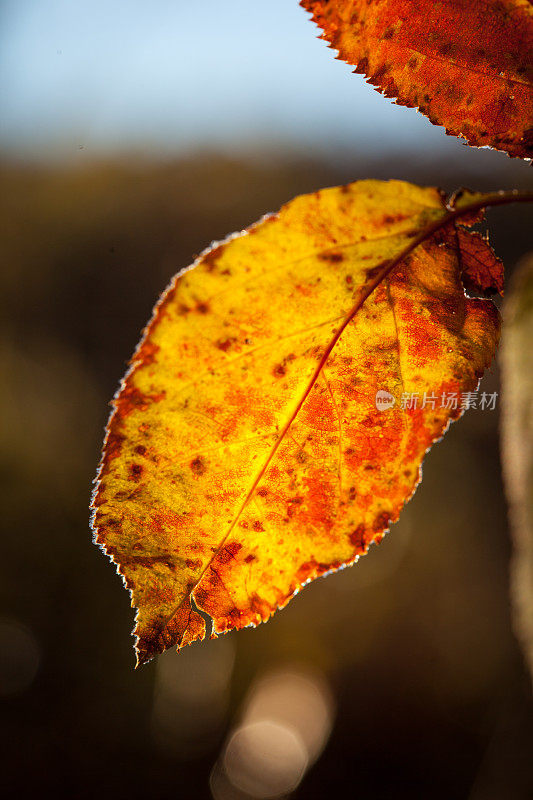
(465,64)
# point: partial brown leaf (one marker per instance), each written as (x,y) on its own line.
(482,270)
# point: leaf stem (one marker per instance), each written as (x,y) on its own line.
(502,198)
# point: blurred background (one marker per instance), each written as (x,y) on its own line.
(133,134)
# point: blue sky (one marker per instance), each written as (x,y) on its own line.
(171,75)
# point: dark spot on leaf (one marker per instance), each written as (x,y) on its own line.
(113,445)
(357,538)
(148,353)
(382,521)
(198,466)
(388,219)
(229,551)
(316,352)
(447,49)
(212,257)
(375,271)
(225,344)
(136,470)
(333,258)
(132,398)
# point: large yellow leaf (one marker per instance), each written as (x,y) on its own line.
(465,64)
(245,454)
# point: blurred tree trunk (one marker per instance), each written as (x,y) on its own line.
(517,445)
